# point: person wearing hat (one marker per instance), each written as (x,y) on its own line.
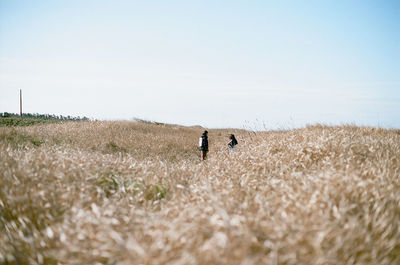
(203,145)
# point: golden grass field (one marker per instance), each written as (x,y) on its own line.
(137,193)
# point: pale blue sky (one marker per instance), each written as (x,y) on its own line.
(214,63)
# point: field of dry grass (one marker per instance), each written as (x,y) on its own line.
(137,193)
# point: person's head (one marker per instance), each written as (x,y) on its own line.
(232,137)
(205,132)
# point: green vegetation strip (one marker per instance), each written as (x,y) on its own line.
(28,119)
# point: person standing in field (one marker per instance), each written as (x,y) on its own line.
(232,144)
(203,144)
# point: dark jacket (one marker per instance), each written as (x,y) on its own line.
(233,142)
(204,142)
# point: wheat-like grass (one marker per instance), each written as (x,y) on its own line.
(137,193)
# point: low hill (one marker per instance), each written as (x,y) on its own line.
(96,192)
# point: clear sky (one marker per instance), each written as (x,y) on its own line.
(281,64)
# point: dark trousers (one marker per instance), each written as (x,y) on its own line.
(203,154)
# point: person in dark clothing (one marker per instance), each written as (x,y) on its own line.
(203,144)
(232,144)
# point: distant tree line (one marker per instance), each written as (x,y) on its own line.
(38,116)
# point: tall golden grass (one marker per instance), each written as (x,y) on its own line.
(137,193)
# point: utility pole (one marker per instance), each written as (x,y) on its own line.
(20,103)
